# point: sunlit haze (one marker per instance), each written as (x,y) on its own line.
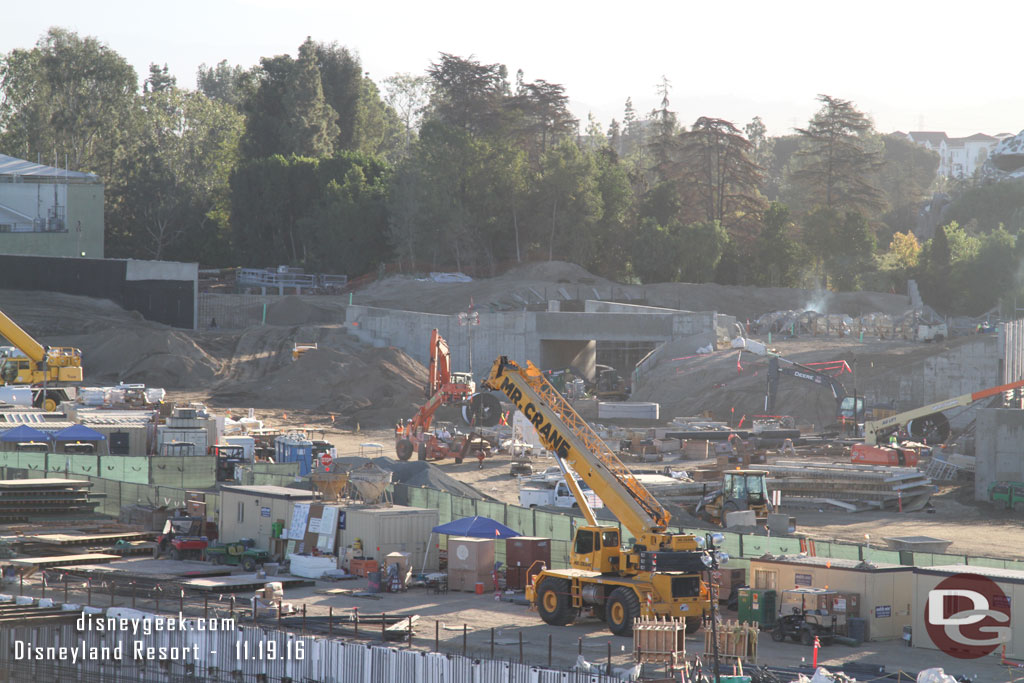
(911,66)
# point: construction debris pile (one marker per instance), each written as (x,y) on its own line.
(854,488)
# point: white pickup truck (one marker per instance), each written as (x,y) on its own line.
(539,492)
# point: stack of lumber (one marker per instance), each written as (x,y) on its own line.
(21,498)
(853,488)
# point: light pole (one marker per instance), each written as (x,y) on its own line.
(713,558)
(469,319)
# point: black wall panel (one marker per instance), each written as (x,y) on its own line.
(171,302)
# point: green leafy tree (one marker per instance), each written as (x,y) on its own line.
(159,80)
(851,258)
(407,95)
(991,205)
(706,241)
(612,231)
(716,165)
(778,259)
(539,113)
(342,83)
(233,85)
(326,214)
(467,94)
(169,196)
(838,156)
(68,96)
(657,252)
(378,129)
(566,191)
(309,125)
(905,176)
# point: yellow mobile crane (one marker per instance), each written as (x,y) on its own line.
(45,368)
(659,576)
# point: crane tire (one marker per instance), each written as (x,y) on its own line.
(554,603)
(622,608)
(404,449)
(693,625)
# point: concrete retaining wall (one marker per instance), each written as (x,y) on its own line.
(999,435)
(526,335)
(965,368)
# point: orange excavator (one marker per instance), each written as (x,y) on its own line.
(445,387)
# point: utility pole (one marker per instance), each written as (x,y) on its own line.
(713,558)
(469,318)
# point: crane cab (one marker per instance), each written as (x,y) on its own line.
(598,549)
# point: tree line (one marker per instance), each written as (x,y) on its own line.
(305,160)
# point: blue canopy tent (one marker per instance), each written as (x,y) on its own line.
(473,527)
(23,433)
(78,433)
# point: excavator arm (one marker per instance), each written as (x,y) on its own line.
(781,366)
(573,441)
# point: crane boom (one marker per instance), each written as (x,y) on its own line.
(564,432)
(21,339)
(875,429)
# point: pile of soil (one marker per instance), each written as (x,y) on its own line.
(372,385)
(545,278)
(117,345)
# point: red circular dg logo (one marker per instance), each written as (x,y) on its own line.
(967,616)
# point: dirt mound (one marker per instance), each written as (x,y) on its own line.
(552,271)
(532,282)
(375,385)
(294,310)
(161,357)
(117,345)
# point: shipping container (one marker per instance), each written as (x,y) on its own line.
(524,556)
(383,530)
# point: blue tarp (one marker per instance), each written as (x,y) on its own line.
(78,433)
(476,527)
(23,433)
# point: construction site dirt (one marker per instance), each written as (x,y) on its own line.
(354,393)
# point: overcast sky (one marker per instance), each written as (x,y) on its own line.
(910,65)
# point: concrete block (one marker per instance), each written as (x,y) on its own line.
(781,523)
(740,518)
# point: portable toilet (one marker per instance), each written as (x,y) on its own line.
(757,605)
(294,448)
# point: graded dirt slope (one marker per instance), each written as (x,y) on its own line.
(687,384)
(555,279)
(250,368)
(117,345)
